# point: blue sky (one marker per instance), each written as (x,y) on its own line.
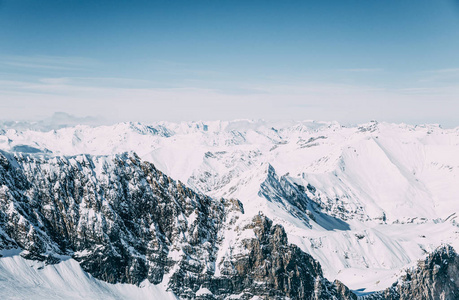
(350,61)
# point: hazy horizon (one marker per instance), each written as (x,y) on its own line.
(145,61)
(62,120)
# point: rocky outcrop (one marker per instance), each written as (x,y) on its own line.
(434,278)
(294,199)
(262,263)
(289,196)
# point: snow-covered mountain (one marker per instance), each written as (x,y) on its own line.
(366,201)
(124,221)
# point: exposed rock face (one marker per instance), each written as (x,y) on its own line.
(121,218)
(262,263)
(436,277)
(125,221)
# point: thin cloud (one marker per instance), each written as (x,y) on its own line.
(113,82)
(39,66)
(363,70)
(442,77)
(449,70)
(39,62)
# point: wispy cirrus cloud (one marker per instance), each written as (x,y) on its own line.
(444,77)
(449,70)
(363,70)
(40,62)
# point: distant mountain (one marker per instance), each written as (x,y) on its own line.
(57,121)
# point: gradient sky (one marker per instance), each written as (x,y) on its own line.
(350,61)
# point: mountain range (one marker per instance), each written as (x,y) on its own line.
(229,209)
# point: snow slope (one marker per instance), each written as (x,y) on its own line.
(27,279)
(380,195)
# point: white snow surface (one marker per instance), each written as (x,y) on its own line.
(26,279)
(389,192)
